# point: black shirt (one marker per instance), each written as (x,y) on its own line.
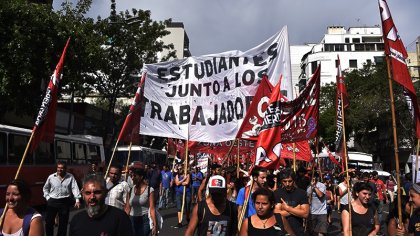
(293,199)
(414,224)
(114,222)
(362,224)
(223,224)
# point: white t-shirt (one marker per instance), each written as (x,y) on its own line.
(344,200)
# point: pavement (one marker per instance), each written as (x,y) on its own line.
(170,219)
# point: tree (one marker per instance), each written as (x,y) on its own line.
(368,117)
(29,52)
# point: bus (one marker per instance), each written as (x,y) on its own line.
(76,150)
(357,160)
(143,154)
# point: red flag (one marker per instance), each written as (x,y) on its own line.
(332,157)
(130,131)
(395,50)
(341,102)
(172,148)
(289,121)
(251,125)
(44,127)
(302,151)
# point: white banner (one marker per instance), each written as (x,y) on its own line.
(205,98)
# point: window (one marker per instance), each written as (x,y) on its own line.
(17,145)
(336,63)
(328,47)
(94,153)
(314,65)
(353,63)
(378,60)
(3,148)
(347,40)
(359,47)
(380,47)
(370,47)
(63,151)
(356,40)
(339,47)
(44,154)
(348,47)
(79,153)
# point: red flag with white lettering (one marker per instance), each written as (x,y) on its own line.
(44,128)
(341,103)
(130,131)
(395,50)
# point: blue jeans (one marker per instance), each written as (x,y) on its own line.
(163,201)
(140,225)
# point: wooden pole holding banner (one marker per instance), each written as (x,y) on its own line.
(394,130)
(230,150)
(17,174)
(294,158)
(237,162)
(417,161)
(112,157)
(245,206)
(128,161)
(312,176)
(344,146)
(185,176)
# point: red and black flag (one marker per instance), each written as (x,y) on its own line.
(395,50)
(44,128)
(288,121)
(341,103)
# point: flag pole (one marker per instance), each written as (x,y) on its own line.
(245,206)
(112,157)
(185,176)
(237,162)
(345,158)
(294,158)
(417,160)
(394,131)
(128,161)
(230,150)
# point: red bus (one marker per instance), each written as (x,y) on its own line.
(76,150)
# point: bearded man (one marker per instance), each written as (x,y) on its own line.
(99,218)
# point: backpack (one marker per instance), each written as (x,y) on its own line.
(26,221)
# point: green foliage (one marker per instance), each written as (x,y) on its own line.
(368,118)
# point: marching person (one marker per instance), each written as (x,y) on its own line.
(414,222)
(364,219)
(165,186)
(318,218)
(139,202)
(117,191)
(20,219)
(215,215)
(182,181)
(265,222)
(259,176)
(291,201)
(215,169)
(59,191)
(99,218)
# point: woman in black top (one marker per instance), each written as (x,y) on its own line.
(265,222)
(364,219)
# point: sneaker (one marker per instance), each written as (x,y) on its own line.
(177,226)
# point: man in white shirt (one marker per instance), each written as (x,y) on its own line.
(117,191)
(59,191)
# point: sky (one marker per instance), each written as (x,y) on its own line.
(215,26)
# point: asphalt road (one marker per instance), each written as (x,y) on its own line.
(170,219)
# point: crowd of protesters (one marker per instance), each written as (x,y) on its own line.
(280,202)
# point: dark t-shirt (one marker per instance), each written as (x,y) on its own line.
(114,222)
(293,199)
(414,224)
(224,224)
(155,178)
(362,224)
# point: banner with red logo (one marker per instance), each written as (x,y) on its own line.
(286,122)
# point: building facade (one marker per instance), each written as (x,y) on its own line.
(179,38)
(355,46)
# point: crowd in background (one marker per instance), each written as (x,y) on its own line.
(280,202)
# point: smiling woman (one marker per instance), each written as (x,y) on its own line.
(19,218)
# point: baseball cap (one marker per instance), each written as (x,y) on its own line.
(217,184)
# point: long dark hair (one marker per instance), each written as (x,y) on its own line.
(23,187)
